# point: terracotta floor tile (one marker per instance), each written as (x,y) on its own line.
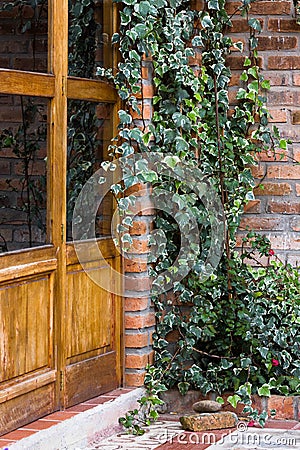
(5,443)
(99,400)
(59,416)
(79,408)
(192,440)
(283,424)
(118,392)
(18,434)
(40,425)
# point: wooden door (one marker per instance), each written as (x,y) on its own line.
(59,331)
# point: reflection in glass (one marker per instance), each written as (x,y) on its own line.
(90,25)
(23,141)
(89,135)
(23,34)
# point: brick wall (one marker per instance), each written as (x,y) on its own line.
(276,210)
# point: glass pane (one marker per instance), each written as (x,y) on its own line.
(90,31)
(89,135)
(23,34)
(23,141)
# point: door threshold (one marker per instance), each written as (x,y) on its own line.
(76,426)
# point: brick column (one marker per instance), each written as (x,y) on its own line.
(139,314)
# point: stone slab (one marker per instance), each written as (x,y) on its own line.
(209,421)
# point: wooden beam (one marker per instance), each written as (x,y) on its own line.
(92,90)
(16,82)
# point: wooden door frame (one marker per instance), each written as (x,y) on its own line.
(57,87)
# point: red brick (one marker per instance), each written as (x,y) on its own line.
(237,40)
(261,223)
(135,304)
(134,266)
(278,241)
(271,156)
(277,42)
(241,25)
(253,206)
(146,113)
(148,92)
(232,97)
(137,284)
(18,434)
(290,132)
(138,190)
(145,73)
(291,62)
(277,79)
(283,97)
(135,379)
(296,118)
(39,64)
(138,361)
(258,171)
(235,80)
(235,62)
(278,115)
(295,224)
(232,8)
(284,171)
(38,168)
(271,7)
(4,167)
(14,183)
(197,5)
(143,207)
(273,189)
(283,25)
(173,336)
(296,79)
(138,228)
(139,321)
(282,405)
(284,207)
(138,340)
(139,246)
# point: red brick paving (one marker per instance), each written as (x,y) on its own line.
(192,440)
(202,440)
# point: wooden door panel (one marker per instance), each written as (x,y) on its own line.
(25,327)
(89,312)
(93,327)
(90,377)
(28,407)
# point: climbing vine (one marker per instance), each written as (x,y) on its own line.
(237,330)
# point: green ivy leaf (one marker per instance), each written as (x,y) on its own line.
(264,391)
(234,400)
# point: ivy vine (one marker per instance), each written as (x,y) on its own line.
(239,329)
